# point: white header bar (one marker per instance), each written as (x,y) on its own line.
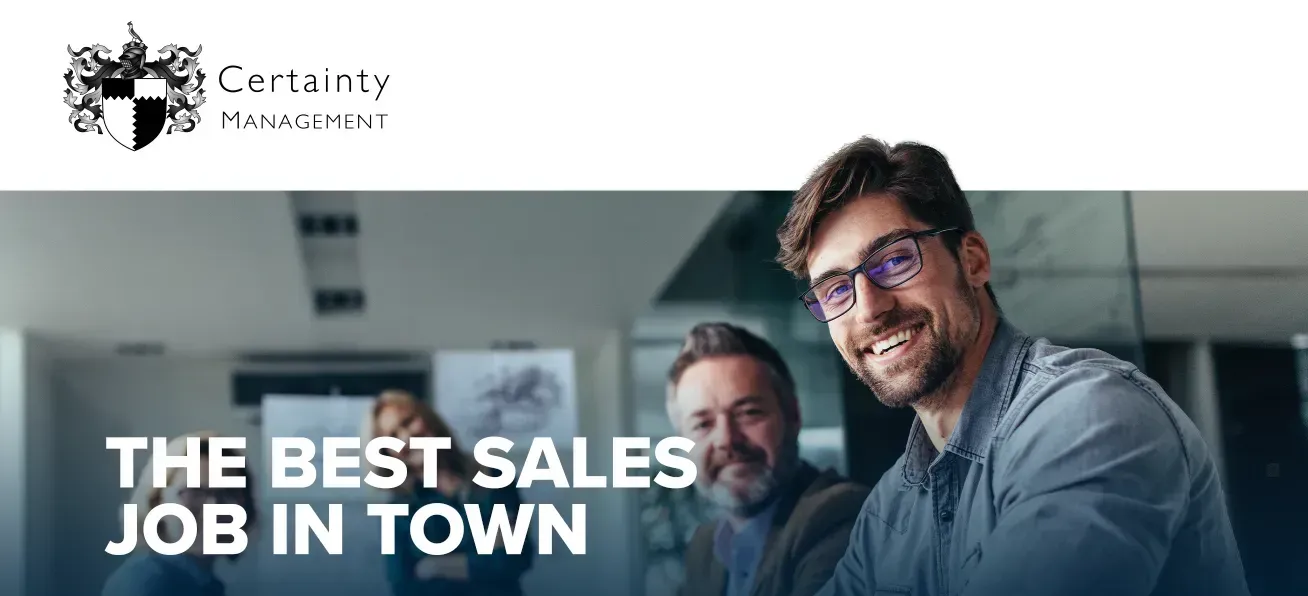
(671,95)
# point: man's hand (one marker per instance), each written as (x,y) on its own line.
(452,567)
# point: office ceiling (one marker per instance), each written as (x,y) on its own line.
(225,272)
(1229,265)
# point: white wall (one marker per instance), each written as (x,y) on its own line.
(41,470)
(171,396)
(124,397)
(26,473)
(609,563)
(13,501)
(26,488)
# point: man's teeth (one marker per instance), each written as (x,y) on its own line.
(886,344)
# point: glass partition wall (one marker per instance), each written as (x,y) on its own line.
(1063,266)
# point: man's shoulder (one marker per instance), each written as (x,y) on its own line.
(1072,379)
(824,515)
(142,574)
(1069,389)
(144,564)
(1053,359)
(701,540)
(831,497)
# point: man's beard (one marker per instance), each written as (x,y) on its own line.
(763,489)
(898,385)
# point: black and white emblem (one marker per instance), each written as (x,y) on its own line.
(135,110)
(134,100)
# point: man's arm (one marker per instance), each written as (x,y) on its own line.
(696,562)
(140,578)
(1090,489)
(827,540)
(853,575)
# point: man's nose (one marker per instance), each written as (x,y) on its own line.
(725,433)
(870,302)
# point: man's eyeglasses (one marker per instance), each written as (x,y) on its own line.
(888,267)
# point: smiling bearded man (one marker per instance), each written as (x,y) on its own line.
(1030,469)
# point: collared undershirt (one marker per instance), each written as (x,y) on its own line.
(740,552)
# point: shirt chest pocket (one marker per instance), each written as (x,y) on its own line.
(901,563)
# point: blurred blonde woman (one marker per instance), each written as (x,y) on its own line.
(463,572)
(147,573)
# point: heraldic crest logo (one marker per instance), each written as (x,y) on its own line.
(132,99)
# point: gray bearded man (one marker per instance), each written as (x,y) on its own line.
(784,523)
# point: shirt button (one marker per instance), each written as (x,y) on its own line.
(946,515)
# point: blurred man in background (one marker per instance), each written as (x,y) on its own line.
(785,524)
(191,573)
(1030,468)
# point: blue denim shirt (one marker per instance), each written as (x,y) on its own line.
(740,552)
(153,574)
(1069,473)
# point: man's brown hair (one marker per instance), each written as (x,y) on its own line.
(916,175)
(707,340)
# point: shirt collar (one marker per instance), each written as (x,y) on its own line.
(982,412)
(753,534)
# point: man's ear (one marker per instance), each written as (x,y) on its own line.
(974,256)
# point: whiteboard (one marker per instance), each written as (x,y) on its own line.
(315,417)
(360,568)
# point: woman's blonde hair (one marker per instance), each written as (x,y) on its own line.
(454,459)
(147,496)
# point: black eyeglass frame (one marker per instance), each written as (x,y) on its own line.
(862,268)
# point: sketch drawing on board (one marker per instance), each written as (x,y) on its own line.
(518,395)
(518,401)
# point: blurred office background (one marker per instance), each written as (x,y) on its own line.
(131,314)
